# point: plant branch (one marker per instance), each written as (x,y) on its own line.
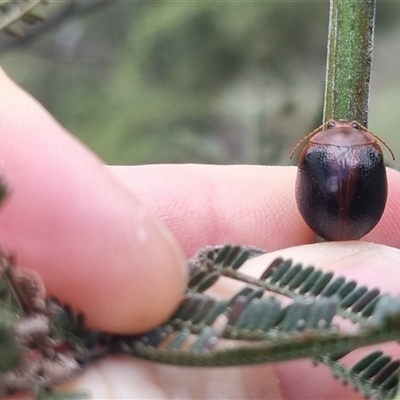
(350,43)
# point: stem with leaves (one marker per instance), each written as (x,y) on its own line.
(350,43)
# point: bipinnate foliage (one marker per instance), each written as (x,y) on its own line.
(254,325)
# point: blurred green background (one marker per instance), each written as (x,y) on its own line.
(212,82)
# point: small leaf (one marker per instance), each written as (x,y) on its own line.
(353,296)
(271,268)
(180,339)
(279,272)
(240,260)
(207,282)
(333,287)
(206,340)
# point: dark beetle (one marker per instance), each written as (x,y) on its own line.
(341,185)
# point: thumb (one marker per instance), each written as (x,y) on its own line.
(95,246)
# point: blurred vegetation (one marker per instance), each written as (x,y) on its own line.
(214,82)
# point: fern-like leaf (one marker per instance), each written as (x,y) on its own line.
(375,375)
(357,302)
(70,327)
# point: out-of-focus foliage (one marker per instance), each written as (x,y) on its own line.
(14,13)
(182,82)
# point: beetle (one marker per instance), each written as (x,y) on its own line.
(341,184)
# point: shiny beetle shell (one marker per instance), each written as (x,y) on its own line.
(341,185)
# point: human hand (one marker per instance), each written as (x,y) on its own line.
(84,227)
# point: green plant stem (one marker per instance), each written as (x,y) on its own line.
(348,71)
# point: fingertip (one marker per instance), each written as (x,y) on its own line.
(152,284)
(126,272)
(387,230)
(95,246)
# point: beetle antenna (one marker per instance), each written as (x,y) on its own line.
(314,132)
(377,138)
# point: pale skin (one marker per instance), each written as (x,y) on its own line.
(112,241)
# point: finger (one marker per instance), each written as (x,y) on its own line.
(254,205)
(208,205)
(387,230)
(126,378)
(96,247)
